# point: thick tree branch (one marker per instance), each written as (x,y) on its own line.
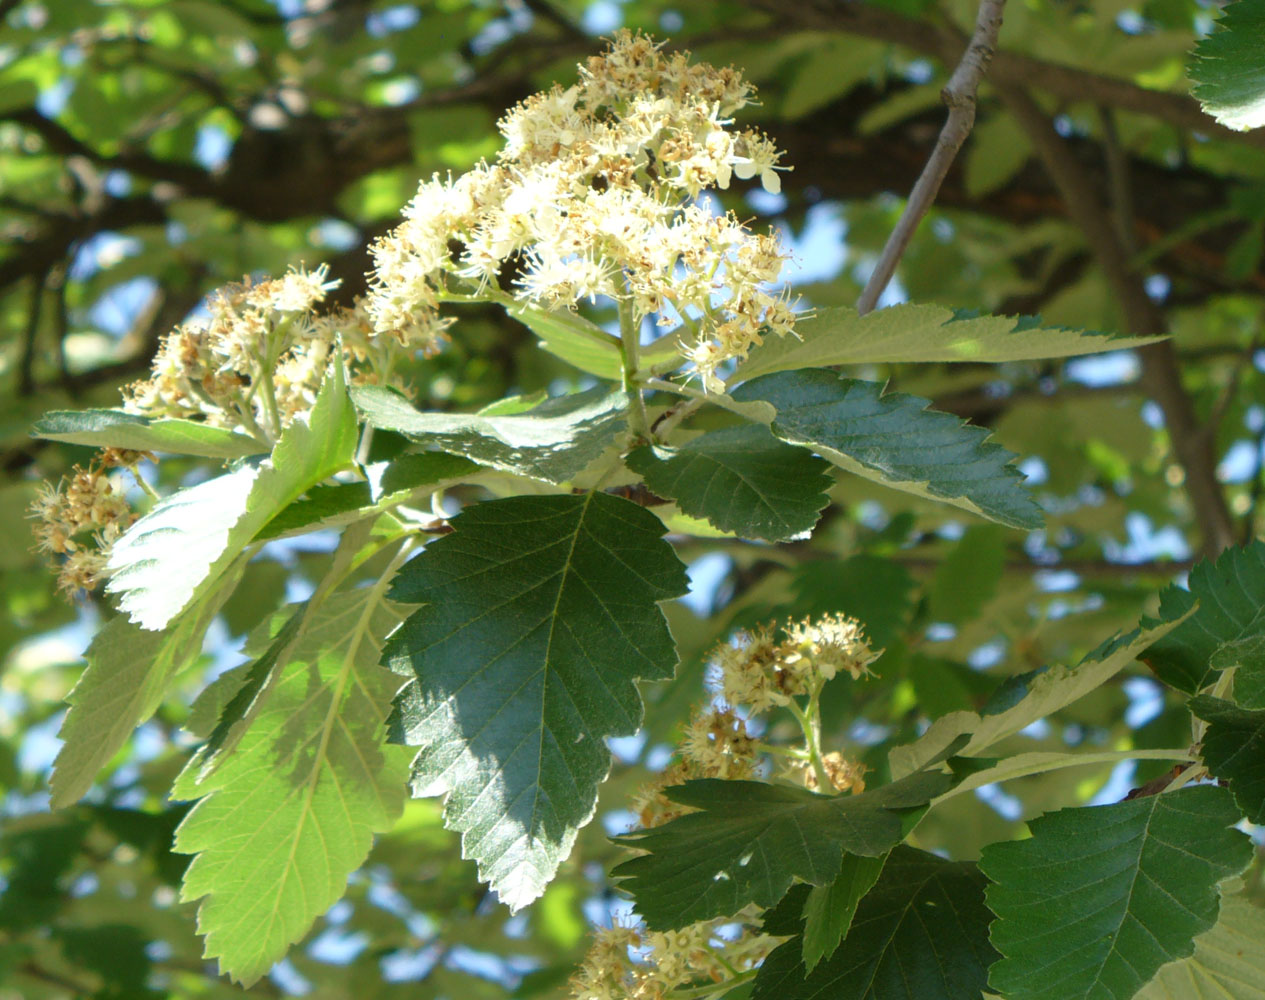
(1161,375)
(959,95)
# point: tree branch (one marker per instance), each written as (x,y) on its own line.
(959,95)
(1161,376)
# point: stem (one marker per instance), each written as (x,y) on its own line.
(630,355)
(810,722)
(711,989)
(959,95)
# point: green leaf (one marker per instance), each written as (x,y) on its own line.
(839,335)
(741,479)
(895,440)
(387,484)
(586,346)
(829,909)
(968,576)
(1228,963)
(1228,67)
(1100,897)
(750,839)
(1234,751)
(291,812)
(1041,693)
(539,614)
(128,673)
(116,429)
(553,441)
(176,552)
(1227,629)
(920,934)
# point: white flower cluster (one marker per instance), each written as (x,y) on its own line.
(595,194)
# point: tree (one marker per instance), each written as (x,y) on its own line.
(393,676)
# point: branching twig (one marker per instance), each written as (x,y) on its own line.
(959,95)
(1161,373)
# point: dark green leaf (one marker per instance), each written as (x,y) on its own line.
(895,440)
(750,839)
(1228,67)
(968,576)
(920,934)
(829,909)
(1099,898)
(553,441)
(741,479)
(540,613)
(1227,630)
(1234,751)
(116,429)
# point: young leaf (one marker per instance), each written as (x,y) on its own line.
(1100,897)
(1234,751)
(1038,694)
(1228,963)
(539,614)
(1227,629)
(920,934)
(291,812)
(1228,67)
(838,335)
(895,440)
(829,909)
(553,441)
(750,839)
(580,343)
(176,552)
(387,484)
(117,429)
(128,673)
(741,479)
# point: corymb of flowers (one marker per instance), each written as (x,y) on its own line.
(595,193)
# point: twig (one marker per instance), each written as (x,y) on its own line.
(959,95)
(1161,373)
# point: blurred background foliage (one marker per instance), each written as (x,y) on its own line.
(151,150)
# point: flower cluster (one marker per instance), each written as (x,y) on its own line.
(78,520)
(764,671)
(257,358)
(631,963)
(595,194)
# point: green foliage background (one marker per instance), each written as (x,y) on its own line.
(150,151)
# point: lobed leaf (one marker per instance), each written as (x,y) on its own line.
(839,335)
(830,909)
(284,819)
(539,614)
(553,441)
(1228,67)
(1227,629)
(1101,897)
(921,933)
(895,440)
(119,429)
(1026,699)
(175,553)
(749,839)
(741,479)
(1234,751)
(1228,963)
